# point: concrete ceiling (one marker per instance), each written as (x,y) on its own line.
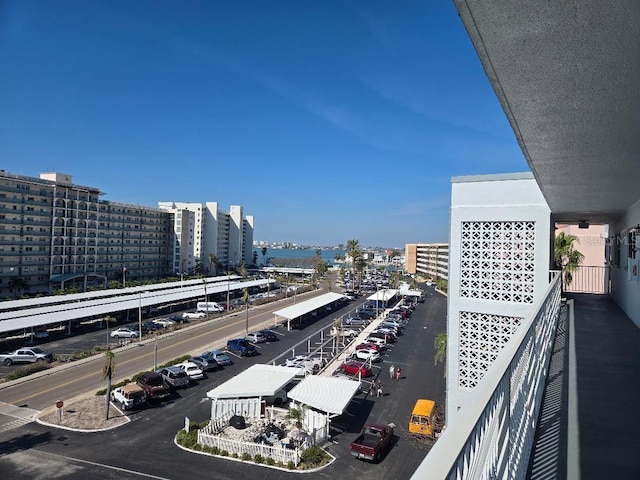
(567,74)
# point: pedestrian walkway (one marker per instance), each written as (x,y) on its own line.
(594,398)
(12,416)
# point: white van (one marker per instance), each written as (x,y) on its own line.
(209,307)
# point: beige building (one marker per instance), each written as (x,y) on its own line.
(428,259)
(54,234)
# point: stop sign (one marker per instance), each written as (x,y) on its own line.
(59,404)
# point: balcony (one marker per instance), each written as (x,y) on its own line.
(556,403)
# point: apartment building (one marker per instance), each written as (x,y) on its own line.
(428,259)
(203,229)
(56,234)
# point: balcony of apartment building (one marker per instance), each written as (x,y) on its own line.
(560,398)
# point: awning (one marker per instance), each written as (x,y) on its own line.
(308,306)
(256,381)
(383,295)
(327,394)
(411,293)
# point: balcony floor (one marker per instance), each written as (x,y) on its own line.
(606,428)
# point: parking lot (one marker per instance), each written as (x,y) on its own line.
(104,455)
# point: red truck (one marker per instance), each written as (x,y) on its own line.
(372,441)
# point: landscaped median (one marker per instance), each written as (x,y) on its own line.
(309,460)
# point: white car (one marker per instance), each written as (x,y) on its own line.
(164,322)
(194,315)
(344,332)
(193,371)
(367,354)
(123,332)
(255,337)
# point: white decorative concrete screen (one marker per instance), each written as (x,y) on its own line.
(497,261)
(482,336)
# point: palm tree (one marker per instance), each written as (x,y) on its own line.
(213,263)
(107,373)
(264,255)
(17,284)
(440,344)
(296,414)
(566,257)
(245,297)
(353,251)
(242,270)
(255,258)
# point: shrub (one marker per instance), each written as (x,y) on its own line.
(258,458)
(314,456)
(234,455)
(291,465)
(246,456)
(269,461)
(27,370)
(224,453)
(215,450)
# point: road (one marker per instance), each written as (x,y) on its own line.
(144,448)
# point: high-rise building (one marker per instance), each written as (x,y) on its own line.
(55,234)
(203,231)
(428,259)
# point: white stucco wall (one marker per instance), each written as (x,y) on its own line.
(494,277)
(625,292)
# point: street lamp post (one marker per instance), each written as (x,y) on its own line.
(124,277)
(206,303)
(139,315)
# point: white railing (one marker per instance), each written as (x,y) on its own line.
(279,453)
(494,432)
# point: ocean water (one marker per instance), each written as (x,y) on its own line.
(327,255)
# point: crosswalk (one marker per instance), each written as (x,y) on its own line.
(20,415)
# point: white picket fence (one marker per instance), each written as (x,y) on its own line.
(207,436)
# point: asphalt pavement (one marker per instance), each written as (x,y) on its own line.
(144,448)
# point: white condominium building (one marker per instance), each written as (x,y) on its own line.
(206,235)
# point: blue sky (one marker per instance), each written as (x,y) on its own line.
(326,120)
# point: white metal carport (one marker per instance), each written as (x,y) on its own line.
(308,306)
(327,397)
(243,393)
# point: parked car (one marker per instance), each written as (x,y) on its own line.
(372,441)
(207,364)
(369,346)
(353,367)
(193,315)
(128,396)
(255,337)
(26,355)
(193,371)
(164,322)
(367,354)
(219,356)
(153,385)
(241,347)
(175,377)
(269,335)
(343,332)
(123,332)
(40,334)
(149,327)
(178,319)
(356,321)
(377,340)
(366,314)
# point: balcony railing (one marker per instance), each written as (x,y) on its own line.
(493,433)
(589,279)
